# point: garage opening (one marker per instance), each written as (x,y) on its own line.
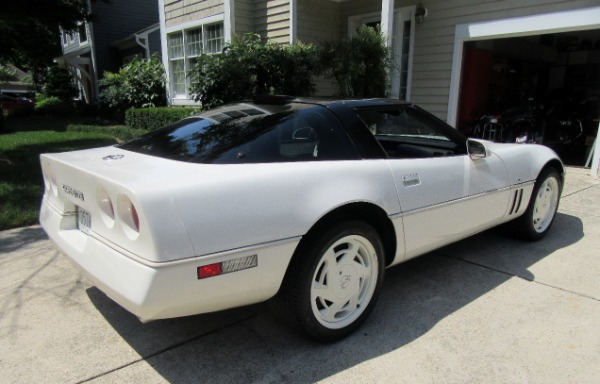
(541,88)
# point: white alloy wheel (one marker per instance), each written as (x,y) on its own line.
(334,280)
(541,209)
(344,281)
(545,204)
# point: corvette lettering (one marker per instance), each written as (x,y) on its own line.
(73,192)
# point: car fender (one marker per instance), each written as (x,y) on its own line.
(226,207)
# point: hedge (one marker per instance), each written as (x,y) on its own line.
(153,118)
(119,132)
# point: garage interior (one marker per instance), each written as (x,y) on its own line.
(551,79)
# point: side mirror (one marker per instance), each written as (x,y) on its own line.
(476,149)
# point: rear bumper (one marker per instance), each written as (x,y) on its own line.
(164,290)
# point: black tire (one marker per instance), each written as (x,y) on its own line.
(334,281)
(535,223)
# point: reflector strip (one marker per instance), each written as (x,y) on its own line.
(228,266)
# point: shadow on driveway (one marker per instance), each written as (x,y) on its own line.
(250,344)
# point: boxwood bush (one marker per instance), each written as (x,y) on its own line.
(150,119)
(52,106)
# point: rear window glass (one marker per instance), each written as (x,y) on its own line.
(249,135)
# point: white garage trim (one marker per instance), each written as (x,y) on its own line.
(567,21)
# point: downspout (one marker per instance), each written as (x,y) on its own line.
(293,21)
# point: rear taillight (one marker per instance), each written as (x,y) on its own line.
(129,216)
(135,217)
(49,179)
(107,211)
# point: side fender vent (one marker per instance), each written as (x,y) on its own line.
(516,201)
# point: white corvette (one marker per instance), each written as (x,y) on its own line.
(302,201)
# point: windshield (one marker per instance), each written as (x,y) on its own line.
(243,134)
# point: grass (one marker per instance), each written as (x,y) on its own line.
(21,183)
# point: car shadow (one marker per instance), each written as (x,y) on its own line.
(251,345)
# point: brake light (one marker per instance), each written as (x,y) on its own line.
(135,217)
(129,216)
(227,266)
(209,270)
(107,210)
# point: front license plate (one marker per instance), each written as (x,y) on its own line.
(84,220)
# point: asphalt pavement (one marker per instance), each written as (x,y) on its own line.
(489,309)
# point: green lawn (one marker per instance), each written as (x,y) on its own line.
(21,184)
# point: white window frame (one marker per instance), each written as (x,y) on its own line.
(87,33)
(186,99)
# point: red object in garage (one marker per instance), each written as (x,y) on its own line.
(477,68)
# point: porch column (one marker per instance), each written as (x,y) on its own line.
(387,20)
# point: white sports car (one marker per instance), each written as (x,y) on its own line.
(301,201)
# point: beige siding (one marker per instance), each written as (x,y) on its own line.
(183,11)
(244,16)
(319,20)
(434,39)
(272,20)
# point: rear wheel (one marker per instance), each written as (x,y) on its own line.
(334,281)
(541,211)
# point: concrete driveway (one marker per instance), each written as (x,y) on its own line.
(488,309)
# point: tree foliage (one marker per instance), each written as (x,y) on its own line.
(59,83)
(359,65)
(7,73)
(138,84)
(248,67)
(30,31)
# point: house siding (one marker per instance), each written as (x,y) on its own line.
(183,11)
(434,39)
(244,16)
(312,29)
(272,20)
(113,21)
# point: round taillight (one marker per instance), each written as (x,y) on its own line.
(107,211)
(50,179)
(129,216)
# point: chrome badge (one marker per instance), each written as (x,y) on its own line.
(112,157)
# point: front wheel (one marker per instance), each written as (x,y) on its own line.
(335,281)
(541,211)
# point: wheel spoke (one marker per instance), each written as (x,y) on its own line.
(329,313)
(322,291)
(349,254)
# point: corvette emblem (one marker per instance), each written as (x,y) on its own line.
(345,280)
(112,157)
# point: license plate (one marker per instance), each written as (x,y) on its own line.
(84,220)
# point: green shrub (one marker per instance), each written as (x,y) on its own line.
(138,84)
(7,73)
(119,132)
(59,84)
(52,106)
(248,67)
(150,119)
(359,65)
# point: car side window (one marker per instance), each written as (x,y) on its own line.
(404,132)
